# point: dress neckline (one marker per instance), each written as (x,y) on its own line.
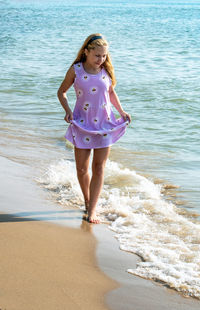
(91,73)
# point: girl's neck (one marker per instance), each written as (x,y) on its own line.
(90,69)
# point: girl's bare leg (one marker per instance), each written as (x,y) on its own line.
(82,157)
(99,159)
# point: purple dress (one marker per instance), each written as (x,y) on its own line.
(94,124)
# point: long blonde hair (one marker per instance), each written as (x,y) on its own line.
(81,57)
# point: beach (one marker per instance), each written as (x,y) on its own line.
(45,265)
(53,259)
(146,250)
(48,267)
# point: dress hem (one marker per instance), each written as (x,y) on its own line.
(89,148)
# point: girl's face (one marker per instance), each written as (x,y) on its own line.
(96,57)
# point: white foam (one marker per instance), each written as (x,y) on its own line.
(60,178)
(144,223)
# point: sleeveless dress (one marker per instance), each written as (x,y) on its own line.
(94,124)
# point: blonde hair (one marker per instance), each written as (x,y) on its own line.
(81,57)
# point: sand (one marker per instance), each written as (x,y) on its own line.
(44,266)
(51,258)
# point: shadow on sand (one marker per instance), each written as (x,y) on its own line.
(42,216)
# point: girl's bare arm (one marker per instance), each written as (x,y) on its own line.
(115,101)
(65,85)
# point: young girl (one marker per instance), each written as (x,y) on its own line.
(92,123)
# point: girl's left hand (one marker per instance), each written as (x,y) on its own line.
(126,116)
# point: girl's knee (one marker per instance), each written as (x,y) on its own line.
(98,169)
(81,171)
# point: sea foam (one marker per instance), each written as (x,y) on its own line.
(143,221)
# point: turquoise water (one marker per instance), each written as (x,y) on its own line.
(155,49)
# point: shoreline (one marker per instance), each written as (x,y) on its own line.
(134,293)
(24,207)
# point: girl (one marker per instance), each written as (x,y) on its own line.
(92,123)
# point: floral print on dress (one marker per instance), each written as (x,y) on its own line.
(105,135)
(86,106)
(87,139)
(94,124)
(81,121)
(79,93)
(96,120)
(85,78)
(93,90)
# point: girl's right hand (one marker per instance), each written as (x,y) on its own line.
(126,116)
(68,117)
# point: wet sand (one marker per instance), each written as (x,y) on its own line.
(134,293)
(52,259)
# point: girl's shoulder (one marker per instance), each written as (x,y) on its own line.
(77,66)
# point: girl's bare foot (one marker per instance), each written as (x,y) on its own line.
(92,218)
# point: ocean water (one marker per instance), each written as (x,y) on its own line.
(151,194)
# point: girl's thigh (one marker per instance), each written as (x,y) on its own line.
(82,158)
(100,155)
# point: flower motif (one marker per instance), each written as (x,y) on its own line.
(105,136)
(93,90)
(82,121)
(79,93)
(96,120)
(85,77)
(86,106)
(78,66)
(87,139)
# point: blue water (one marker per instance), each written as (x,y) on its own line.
(155,49)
